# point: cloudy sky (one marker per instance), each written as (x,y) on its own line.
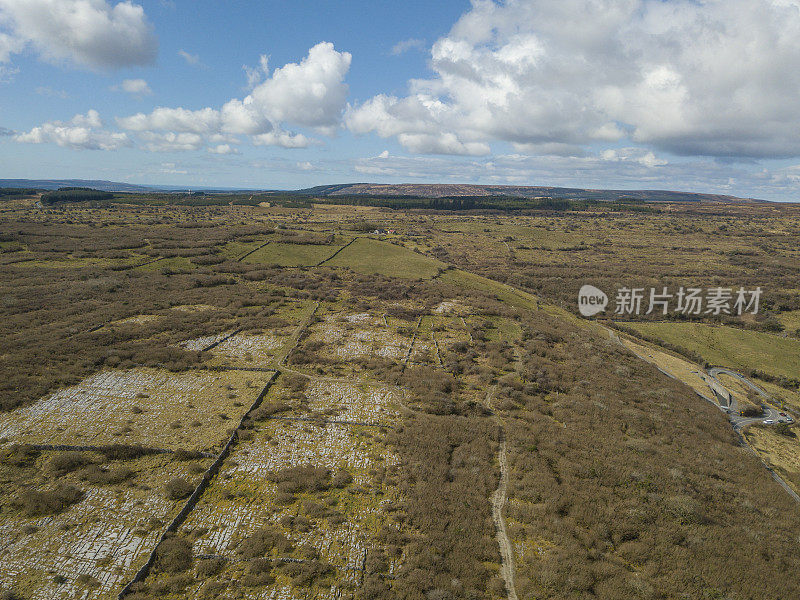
(698,95)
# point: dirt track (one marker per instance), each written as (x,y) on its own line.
(498,504)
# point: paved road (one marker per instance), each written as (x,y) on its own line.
(738,422)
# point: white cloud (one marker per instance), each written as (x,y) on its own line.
(82,132)
(171,142)
(9,44)
(255,75)
(89,33)
(205,120)
(283,139)
(642,156)
(406,45)
(694,78)
(191,59)
(310,93)
(223,149)
(7,73)
(440,143)
(44,90)
(134,87)
(305,166)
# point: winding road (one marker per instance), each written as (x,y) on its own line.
(738,422)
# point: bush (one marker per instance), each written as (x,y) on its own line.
(266,410)
(308,573)
(341,479)
(66,462)
(208,567)
(114,475)
(262,542)
(124,452)
(259,572)
(172,585)
(19,455)
(181,454)
(174,555)
(303,478)
(36,504)
(178,488)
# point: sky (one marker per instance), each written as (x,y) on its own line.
(693,95)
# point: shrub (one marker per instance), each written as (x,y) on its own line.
(114,475)
(308,573)
(172,585)
(66,462)
(178,488)
(125,452)
(174,555)
(181,454)
(208,567)
(303,478)
(35,503)
(19,455)
(259,572)
(266,410)
(341,479)
(262,542)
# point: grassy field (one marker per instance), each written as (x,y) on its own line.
(780,451)
(780,394)
(366,255)
(741,392)
(291,255)
(506,293)
(730,347)
(790,320)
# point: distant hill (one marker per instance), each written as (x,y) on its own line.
(400,190)
(425,190)
(95,184)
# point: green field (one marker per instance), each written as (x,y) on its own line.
(790,320)
(506,293)
(730,347)
(291,255)
(174,262)
(366,255)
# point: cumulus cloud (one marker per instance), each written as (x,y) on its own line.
(89,33)
(255,75)
(171,142)
(5,132)
(223,149)
(134,87)
(82,132)
(691,78)
(311,93)
(284,139)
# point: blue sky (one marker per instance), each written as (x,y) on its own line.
(673,94)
